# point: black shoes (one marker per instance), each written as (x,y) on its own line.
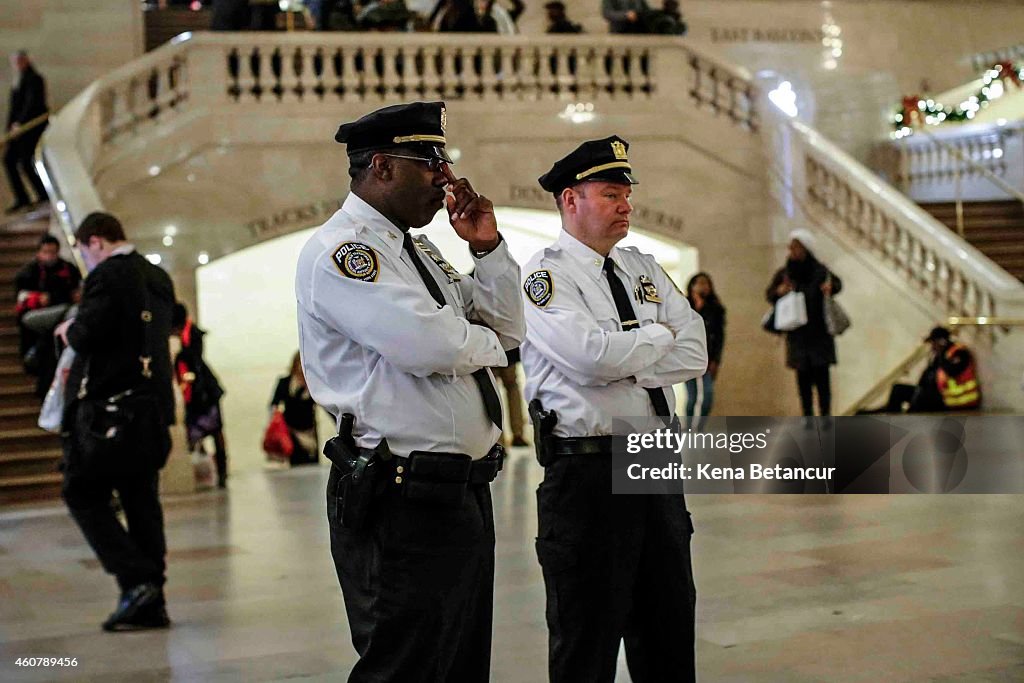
(519,441)
(140,608)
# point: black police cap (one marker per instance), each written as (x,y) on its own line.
(604,159)
(420,125)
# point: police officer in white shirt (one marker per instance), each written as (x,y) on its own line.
(608,334)
(396,344)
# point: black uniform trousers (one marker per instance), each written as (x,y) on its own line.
(18,157)
(134,555)
(616,567)
(418,584)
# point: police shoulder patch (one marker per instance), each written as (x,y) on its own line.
(539,287)
(357,261)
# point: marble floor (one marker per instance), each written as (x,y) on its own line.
(797,589)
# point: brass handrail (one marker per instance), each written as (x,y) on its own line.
(24,128)
(918,354)
(955,321)
(921,351)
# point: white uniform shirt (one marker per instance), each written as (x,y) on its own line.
(578,360)
(374,343)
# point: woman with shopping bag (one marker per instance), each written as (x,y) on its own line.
(800,292)
(294,409)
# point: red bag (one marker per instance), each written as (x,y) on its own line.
(277,440)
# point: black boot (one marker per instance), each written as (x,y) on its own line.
(141,607)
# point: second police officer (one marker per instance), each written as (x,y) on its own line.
(396,344)
(608,335)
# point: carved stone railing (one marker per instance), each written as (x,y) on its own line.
(978,162)
(936,263)
(503,68)
(196,75)
(983,60)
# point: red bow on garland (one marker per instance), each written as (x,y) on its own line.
(910,110)
(1006,70)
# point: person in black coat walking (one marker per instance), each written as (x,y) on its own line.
(119,404)
(27,102)
(810,349)
(200,390)
(700,292)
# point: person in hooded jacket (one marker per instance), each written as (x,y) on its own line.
(810,349)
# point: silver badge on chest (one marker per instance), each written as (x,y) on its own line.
(646,291)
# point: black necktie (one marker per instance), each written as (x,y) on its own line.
(627,316)
(492,404)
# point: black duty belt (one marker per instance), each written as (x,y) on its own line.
(580,445)
(441,466)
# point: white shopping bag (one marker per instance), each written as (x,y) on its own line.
(52,412)
(790,312)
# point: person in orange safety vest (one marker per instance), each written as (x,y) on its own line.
(950,382)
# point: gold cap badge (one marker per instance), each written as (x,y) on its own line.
(618,149)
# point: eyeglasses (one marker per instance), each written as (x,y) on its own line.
(433,163)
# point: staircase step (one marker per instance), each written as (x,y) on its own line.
(1007,248)
(27,243)
(1008,261)
(984,223)
(9,335)
(995,228)
(17,390)
(22,396)
(975,208)
(31,480)
(23,416)
(31,488)
(995,234)
(35,220)
(15,377)
(992,222)
(26,440)
(12,259)
(29,463)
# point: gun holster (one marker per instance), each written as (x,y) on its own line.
(544,422)
(363,475)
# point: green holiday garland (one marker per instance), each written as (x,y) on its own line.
(917,110)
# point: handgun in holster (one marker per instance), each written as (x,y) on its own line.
(544,422)
(362,473)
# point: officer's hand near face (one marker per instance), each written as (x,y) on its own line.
(471,214)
